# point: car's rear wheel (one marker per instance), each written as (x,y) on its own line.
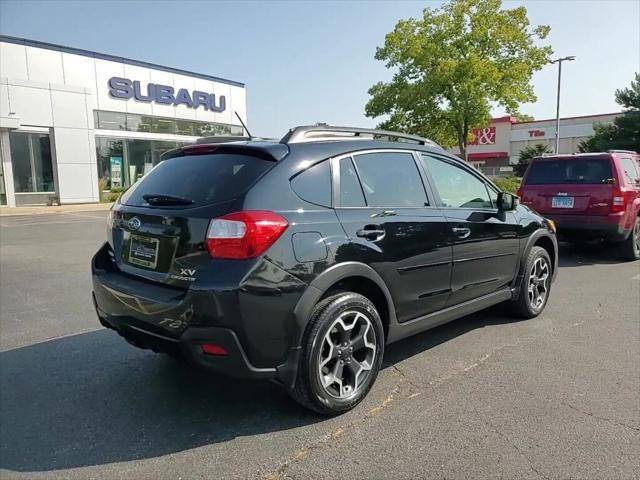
(535,286)
(341,356)
(630,248)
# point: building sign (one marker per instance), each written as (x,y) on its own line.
(536,133)
(164,94)
(483,136)
(115,164)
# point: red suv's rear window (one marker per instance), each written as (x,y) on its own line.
(578,170)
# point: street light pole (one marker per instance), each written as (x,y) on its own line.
(559,62)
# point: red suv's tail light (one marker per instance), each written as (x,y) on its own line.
(619,200)
(245,234)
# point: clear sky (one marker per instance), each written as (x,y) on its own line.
(306,62)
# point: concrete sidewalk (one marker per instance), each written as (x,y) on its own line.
(42,210)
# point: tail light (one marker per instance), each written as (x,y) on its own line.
(213,349)
(619,200)
(242,235)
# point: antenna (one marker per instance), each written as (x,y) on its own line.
(244,126)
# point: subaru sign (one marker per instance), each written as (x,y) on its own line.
(164,94)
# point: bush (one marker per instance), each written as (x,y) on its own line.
(114,193)
(102,188)
(507,184)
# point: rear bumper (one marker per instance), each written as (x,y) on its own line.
(609,227)
(189,345)
(178,321)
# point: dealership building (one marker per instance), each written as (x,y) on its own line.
(494,148)
(75,122)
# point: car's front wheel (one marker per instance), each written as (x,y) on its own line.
(535,286)
(341,356)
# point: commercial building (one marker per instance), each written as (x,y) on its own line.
(494,148)
(75,122)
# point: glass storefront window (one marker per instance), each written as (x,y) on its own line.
(110,154)
(123,162)
(3,191)
(145,123)
(184,127)
(31,162)
(212,129)
(110,120)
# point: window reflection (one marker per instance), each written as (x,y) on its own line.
(146,123)
(121,163)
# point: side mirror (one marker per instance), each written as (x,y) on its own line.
(507,202)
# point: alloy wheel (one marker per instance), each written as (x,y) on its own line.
(539,283)
(636,237)
(347,354)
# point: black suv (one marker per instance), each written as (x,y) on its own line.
(299,260)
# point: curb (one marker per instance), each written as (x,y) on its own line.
(40,210)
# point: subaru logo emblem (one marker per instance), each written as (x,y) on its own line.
(134,223)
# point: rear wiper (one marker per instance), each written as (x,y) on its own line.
(160,199)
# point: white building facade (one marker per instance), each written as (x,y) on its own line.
(495,148)
(75,123)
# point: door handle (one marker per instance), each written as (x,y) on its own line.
(371,232)
(461,232)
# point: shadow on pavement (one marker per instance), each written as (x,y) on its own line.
(579,254)
(424,341)
(92,399)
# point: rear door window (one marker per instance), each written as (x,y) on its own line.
(390,179)
(314,184)
(631,175)
(569,171)
(200,179)
(350,190)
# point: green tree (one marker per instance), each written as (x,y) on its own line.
(526,154)
(453,65)
(523,117)
(624,133)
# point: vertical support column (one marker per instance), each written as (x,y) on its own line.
(7,168)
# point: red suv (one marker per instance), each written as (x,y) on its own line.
(590,195)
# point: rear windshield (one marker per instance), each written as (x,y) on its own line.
(578,170)
(200,179)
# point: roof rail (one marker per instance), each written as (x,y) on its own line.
(319,133)
(622,151)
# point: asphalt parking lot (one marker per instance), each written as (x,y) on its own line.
(555,397)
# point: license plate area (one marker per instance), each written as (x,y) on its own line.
(562,202)
(143,251)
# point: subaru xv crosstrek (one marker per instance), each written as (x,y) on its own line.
(589,196)
(299,260)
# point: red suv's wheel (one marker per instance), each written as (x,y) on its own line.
(630,248)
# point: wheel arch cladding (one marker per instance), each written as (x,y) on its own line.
(367,288)
(349,276)
(540,238)
(545,242)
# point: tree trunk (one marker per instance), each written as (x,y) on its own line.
(462,142)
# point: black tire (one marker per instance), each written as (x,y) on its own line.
(630,249)
(523,306)
(309,390)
